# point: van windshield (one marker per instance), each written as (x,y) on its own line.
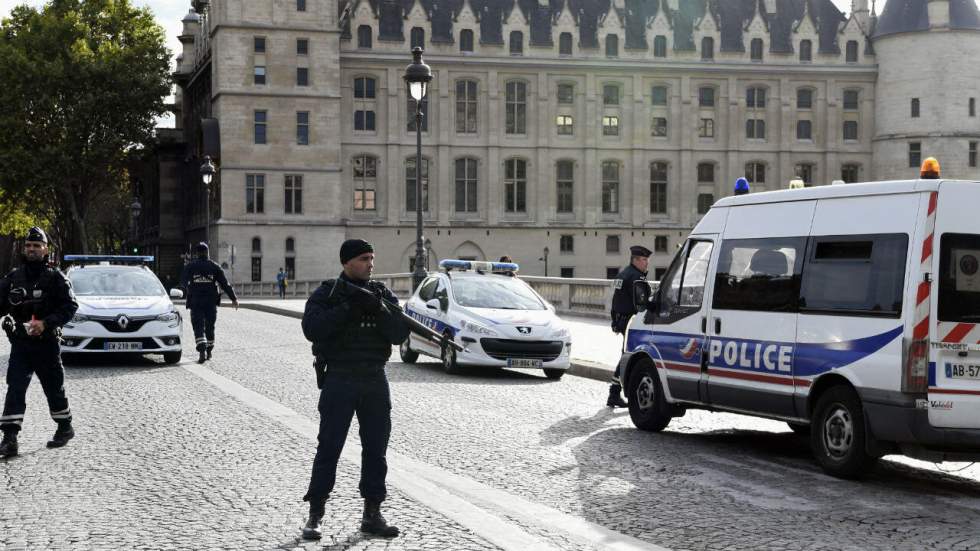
(959,278)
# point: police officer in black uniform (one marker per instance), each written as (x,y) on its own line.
(201,279)
(623,308)
(352,334)
(35,301)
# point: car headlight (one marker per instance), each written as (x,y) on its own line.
(477,328)
(560,333)
(170,318)
(79,318)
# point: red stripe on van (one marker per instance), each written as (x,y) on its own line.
(921,330)
(803,382)
(751,377)
(953,391)
(927,247)
(682,367)
(933,200)
(923,292)
(958,332)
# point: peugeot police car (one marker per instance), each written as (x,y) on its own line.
(851,312)
(498,319)
(122,307)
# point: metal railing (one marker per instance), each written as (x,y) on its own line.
(578,296)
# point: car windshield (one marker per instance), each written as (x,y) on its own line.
(505,293)
(117,283)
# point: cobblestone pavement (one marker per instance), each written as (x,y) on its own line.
(164,460)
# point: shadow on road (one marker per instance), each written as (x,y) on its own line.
(474,375)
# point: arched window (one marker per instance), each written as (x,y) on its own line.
(364,36)
(851,55)
(707,48)
(290,258)
(516,108)
(466,40)
(290,245)
(418,37)
(610,187)
(516,43)
(565,44)
(660,46)
(612,45)
(756,49)
(365,182)
(658,187)
(806,50)
(256,245)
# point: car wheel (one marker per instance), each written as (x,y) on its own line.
(448,357)
(838,436)
(171,358)
(554,374)
(648,408)
(800,428)
(408,355)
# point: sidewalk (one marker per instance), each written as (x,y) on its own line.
(595,348)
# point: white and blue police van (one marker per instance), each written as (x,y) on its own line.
(851,312)
(498,319)
(122,308)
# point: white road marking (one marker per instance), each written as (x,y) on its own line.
(472,504)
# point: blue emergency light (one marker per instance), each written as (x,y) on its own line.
(111,259)
(741,186)
(479,266)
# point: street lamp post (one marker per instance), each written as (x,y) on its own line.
(545,258)
(134,210)
(417,77)
(207,174)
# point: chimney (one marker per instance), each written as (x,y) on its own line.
(859,11)
(938,14)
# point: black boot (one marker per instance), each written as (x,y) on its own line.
(615,400)
(61,436)
(311,530)
(202,356)
(208,352)
(8,447)
(373,523)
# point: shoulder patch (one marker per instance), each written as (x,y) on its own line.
(618,284)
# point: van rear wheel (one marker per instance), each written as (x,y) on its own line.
(837,434)
(408,355)
(648,407)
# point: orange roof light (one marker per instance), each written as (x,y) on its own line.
(930,169)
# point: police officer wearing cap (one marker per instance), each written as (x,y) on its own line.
(35,301)
(201,279)
(623,307)
(352,334)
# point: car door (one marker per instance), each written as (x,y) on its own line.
(673,331)
(416,308)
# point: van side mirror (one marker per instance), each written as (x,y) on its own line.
(432,304)
(176,293)
(641,294)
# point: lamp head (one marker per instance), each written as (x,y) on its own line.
(417,75)
(207,171)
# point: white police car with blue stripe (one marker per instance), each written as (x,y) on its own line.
(498,319)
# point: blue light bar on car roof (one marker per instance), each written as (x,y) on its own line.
(479,266)
(111,259)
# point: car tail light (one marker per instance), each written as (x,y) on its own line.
(915,371)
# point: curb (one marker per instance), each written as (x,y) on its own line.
(578,367)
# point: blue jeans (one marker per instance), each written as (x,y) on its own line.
(343,396)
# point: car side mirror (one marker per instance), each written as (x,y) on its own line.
(433,304)
(176,293)
(641,295)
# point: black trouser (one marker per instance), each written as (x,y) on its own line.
(343,395)
(29,357)
(202,320)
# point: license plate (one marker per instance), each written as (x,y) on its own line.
(124,346)
(523,363)
(962,371)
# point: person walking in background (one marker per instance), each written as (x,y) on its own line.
(201,279)
(281,283)
(623,308)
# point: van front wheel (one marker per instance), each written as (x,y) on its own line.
(648,408)
(837,434)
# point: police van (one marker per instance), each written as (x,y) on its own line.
(851,312)
(498,319)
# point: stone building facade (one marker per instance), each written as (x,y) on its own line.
(579,127)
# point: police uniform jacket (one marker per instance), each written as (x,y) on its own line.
(40,292)
(201,278)
(622,302)
(344,331)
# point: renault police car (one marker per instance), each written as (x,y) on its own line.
(498,319)
(851,312)
(122,307)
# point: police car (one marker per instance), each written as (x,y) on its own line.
(851,312)
(498,319)
(122,307)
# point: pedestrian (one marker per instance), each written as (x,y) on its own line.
(623,308)
(35,302)
(201,279)
(352,334)
(281,283)
(506,259)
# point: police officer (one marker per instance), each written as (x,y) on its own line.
(35,301)
(352,334)
(623,308)
(201,278)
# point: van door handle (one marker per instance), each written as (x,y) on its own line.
(704,324)
(717,326)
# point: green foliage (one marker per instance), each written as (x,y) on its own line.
(83,83)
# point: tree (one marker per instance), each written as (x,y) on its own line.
(83,83)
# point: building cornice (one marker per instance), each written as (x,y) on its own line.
(280,168)
(267,27)
(236,93)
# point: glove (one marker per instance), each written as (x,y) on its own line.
(365,302)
